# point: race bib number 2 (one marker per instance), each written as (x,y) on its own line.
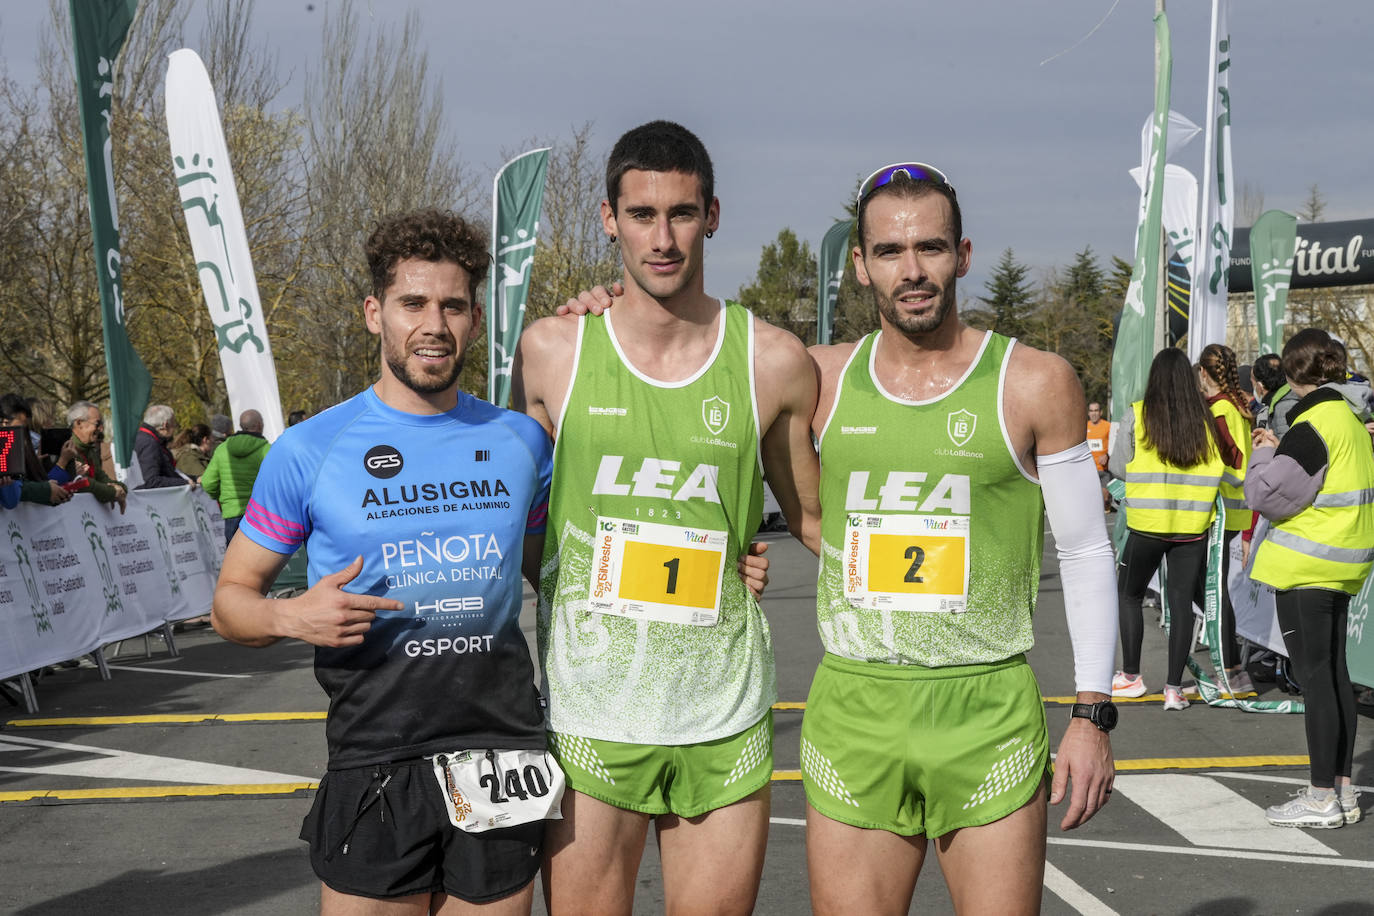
(915,563)
(658,572)
(487,790)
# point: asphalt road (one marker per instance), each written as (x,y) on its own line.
(197,811)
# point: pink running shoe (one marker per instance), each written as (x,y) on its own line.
(1174,699)
(1128,685)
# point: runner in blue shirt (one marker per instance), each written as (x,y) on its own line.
(420,507)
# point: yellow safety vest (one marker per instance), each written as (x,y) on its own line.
(1162,498)
(1330,544)
(1238,518)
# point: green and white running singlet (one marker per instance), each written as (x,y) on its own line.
(646,633)
(931,530)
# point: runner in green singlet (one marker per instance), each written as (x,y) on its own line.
(658,665)
(924,720)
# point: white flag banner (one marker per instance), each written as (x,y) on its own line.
(210,203)
(1180,131)
(1208,316)
(1180,203)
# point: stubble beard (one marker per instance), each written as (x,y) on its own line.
(421,382)
(915,324)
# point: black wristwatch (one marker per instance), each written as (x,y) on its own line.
(1103,714)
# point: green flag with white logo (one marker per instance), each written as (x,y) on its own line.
(516,198)
(834,255)
(98,30)
(1135,335)
(1273,245)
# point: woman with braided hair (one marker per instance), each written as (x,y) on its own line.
(1220,382)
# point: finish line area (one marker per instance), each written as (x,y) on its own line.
(90,781)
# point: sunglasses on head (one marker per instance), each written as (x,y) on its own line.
(915,171)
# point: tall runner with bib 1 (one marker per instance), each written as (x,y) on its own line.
(647,634)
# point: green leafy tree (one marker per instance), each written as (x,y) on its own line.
(784,289)
(1009,300)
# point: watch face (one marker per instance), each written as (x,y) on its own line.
(1106,716)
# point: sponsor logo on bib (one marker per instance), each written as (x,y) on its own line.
(961,426)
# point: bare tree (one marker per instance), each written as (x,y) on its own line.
(375,145)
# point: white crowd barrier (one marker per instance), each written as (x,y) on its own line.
(80,575)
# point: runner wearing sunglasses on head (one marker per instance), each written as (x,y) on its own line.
(938,458)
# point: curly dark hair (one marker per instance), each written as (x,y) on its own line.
(426,235)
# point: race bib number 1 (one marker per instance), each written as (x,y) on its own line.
(487,790)
(659,572)
(916,563)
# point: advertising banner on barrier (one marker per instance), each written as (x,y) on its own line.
(77,576)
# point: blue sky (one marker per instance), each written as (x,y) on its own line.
(798,102)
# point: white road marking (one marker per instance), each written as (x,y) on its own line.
(788,821)
(172,671)
(1206,813)
(1073,893)
(1285,780)
(112,764)
(1249,855)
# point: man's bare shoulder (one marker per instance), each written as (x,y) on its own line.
(830,358)
(778,350)
(1040,374)
(550,335)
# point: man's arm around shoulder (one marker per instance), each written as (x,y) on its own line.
(787,377)
(543,363)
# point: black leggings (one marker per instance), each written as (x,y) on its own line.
(1313,622)
(1230,649)
(1139,561)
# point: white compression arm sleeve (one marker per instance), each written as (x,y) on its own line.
(1087,563)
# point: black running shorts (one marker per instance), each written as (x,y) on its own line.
(382,831)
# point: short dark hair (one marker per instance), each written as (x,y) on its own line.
(1311,357)
(1268,371)
(11,405)
(295,417)
(426,235)
(659,146)
(912,188)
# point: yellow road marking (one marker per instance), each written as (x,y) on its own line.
(288,788)
(239,717)
(131,792)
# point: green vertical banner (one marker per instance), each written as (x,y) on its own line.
(1273,245)
(98,30)
(1359,641)
(834,255)
(1135,335)
(516,197)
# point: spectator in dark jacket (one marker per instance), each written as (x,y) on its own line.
(150,448)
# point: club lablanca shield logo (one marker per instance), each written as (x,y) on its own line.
(961,426)
(715,413)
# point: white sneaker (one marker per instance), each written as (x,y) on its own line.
(1128,685)
(1302,810)
(1240,682)
(1174,699)
(1349,801)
